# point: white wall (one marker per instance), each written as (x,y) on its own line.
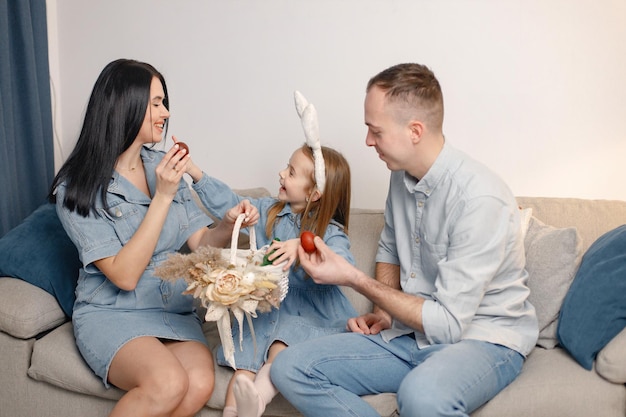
(535,89)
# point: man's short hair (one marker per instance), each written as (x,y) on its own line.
(414,85)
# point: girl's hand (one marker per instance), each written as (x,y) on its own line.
(286,251)
(220,235)
(170,171)
(245,207)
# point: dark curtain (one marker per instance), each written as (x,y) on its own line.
(26,139)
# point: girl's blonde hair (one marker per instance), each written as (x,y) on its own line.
(334,204)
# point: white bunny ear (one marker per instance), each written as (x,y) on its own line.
(308,117)
(301,102)
(311,126)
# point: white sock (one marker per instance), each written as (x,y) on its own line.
(229,411)
(247,397)
(252,397)
(267,391)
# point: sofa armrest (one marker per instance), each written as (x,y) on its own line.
(611,360)
(27,310)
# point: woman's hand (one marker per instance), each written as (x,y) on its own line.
(170,171)
(190,168)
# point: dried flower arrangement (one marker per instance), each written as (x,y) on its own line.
(229,281)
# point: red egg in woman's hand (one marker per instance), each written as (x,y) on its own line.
(306,240)
(181,145)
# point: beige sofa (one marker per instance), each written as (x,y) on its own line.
(42,373)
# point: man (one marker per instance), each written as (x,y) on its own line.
(452,322)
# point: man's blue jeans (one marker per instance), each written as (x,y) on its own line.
(325,376)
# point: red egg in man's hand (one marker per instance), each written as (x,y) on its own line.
(306,240)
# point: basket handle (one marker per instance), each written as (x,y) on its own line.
(235,238)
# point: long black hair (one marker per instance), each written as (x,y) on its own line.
(115,113)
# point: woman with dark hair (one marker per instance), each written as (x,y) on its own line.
(126,207)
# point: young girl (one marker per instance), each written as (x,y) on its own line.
(126,208)
(309,310)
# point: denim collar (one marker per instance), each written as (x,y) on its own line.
(122,187)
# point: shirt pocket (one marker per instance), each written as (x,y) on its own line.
(125,218)
(432,254)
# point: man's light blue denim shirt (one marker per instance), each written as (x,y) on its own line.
(456,235)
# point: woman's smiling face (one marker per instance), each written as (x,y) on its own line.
(156,114)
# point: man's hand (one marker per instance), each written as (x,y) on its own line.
(370,323)
(324,266)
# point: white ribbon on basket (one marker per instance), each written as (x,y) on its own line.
(219,313)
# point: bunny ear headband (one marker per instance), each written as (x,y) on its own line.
(308,117)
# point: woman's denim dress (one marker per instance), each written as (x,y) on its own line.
(310,310)
(106,317)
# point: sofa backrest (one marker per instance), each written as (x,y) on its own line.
(592,218)
(364,232)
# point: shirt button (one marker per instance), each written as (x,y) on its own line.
(412,274)
(417,240)
(118,213)
(420,204)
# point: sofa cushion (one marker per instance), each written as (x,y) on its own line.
(594,310)
(364,233)
(39,251)
(553,384)
(57,361)
(552,259)
(611,361)
(26,310)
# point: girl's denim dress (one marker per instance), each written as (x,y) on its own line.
(309,310)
